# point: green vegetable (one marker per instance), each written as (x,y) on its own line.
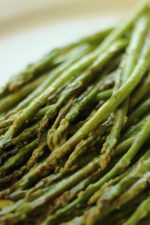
(74,132)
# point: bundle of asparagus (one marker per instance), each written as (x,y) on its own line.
(74,132)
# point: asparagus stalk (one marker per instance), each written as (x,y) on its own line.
(22,138)
(104,95)
(111,140)
(140,92)
(133,130)
(17,159)
(36,155)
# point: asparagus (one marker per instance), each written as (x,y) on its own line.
(52,193)
(50,60)
(125,145)
(33,70)
(22,138)
(36,155)
(141,212)
(17,159)
(75,221)
(49,180)
(104,95)
(135,190)
(78,107)
(29,73)
(75,102)
(45,166)
(138,174)
(32,108)
(107,185)
(98,211)
(12,177)
(123,163)
(132,56)
(74,56)
(82,82)
(71,194)
(133,130)
(42,184)
(104,111)
(12,99)
(111,140)
(87,60)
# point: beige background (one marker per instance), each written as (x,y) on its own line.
(29,28)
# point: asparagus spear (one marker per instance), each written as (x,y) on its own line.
(74,221)
(36,154)
(71,194)
(56,137)
(104,95)
(111,140)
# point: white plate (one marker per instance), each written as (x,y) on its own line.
(30,28)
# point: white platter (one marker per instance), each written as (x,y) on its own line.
(30,28)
